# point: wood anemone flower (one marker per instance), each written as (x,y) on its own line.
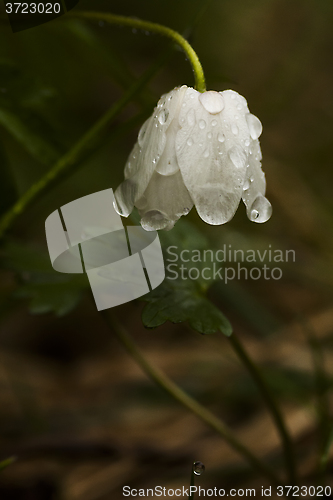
(197,149)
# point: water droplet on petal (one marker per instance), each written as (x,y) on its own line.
(260,210)
(246,184)
(206,153)
(189,142)
(234,129)
(254,124)
(191,117)
(212,101)
(202,124)
(198,468)
(209,135)
(239,107)
(221,137)
(155,220)
(163,116)
(247,142)
(237,157)
(214,123)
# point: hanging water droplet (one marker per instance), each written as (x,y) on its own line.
(234,129)
(221,137)
(206,153)
(247,142)
(191,117)
(154,220)
(209,135)
(189,142)
(260,210)
(202,124)
(254,124)
(214,123)
(198,468)
(212,101)
(163,116)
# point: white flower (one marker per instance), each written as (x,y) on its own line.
(197,149)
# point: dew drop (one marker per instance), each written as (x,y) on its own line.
(254,124)
(212,101)
(200,144)
(246,184)
(192,96)
(221,137)
(239,107)
(189,142)
(163,116)
(154,220)
(247,142)
(234,129)
(198,468)
(260,210)
(214,123)
(209,135)
(202,124)
(206,153)
(237,157)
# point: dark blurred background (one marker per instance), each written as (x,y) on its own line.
(79,415)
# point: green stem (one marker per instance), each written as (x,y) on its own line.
(191,495)
(200,84)
(187,401)
(271,405)
(321,383)
(68,163)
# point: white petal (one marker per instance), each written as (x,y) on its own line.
(124,198)
(211,153)
(164,201)
(258,207)
(148,150)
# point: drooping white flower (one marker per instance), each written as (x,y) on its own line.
(197,149)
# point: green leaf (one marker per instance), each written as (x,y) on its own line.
(179,301)
(8,193)
(21,102)
(47,290)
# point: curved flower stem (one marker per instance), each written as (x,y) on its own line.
(178,394)
(67,163)
(200,84)
(271,405)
